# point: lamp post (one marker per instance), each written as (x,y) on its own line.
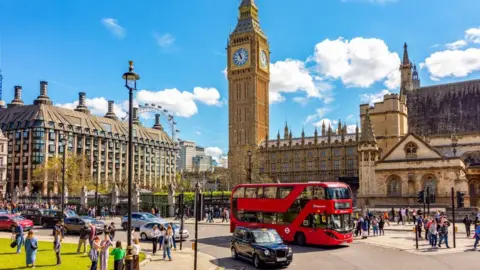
(454,144)
(63,172)
(249,153)
(197,210)
(130,78)
(95,165)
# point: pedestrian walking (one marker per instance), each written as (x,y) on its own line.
(167,243)
(381,224)
(19,236)
(31,246)
(467,222)
(365,228)
(162,235)
(136,252)
(118,255)
(173,238)
(477,237)
(57,246)
(432,230)
(375,226)
(155,235)
(94,252)
(419,225)
(82,241)
(112,229)
(104,251)
(443,233)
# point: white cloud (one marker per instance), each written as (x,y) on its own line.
(214,152)
(198,132)
(115,28)
(97,106)
(223,161)
(372,98)
(456,45)
(473,35)
(328,122)
(182,103)
(292,76)
(351,128)
(359,62)
(350,116)
(319,114)
(164,41)
(456,63)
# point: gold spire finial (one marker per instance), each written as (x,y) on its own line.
(131,65)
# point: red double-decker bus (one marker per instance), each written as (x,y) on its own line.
(317,213)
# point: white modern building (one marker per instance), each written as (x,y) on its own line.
(192,158)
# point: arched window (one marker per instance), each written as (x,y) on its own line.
(411,149)
(430,182)
(394,186)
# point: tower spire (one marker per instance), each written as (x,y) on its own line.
(406,60)
(367,130)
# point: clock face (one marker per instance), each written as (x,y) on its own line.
(263,59)
(240,57)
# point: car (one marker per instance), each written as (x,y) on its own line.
(75,224)
(100,225)
(7,222)
(44,217)
(260,246)
(139,219)
(146,230)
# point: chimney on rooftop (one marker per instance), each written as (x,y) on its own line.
(82,106)
(43,98)
(17,101)
(157,125)
(111,114)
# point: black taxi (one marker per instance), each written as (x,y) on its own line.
(260,246)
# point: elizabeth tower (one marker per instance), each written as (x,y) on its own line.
(248,68)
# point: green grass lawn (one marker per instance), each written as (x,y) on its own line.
(46,257)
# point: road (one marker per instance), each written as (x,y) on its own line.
(214,240)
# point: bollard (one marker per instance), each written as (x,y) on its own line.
(414,229)
(456,229)
(193,245)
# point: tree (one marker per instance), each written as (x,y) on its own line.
(77,173)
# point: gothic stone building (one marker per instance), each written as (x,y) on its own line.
(37,132)
(326,156)
(423,138)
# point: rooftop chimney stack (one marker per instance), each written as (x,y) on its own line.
(111,114)
(17,101)
(82,106)
(43,98)
(135,116)
(157,125)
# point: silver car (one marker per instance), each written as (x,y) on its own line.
(147,229)
(139,219)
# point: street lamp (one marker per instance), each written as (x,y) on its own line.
(454,144)
(249,153)
(130,78)
(197,210)
(63,172)
(95,165)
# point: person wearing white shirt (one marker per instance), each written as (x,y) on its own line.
(155,235)
(135,252)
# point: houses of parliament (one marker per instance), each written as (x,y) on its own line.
(425,137)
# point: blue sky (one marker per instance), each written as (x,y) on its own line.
(327,56)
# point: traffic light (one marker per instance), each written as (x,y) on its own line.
(421,197)
(460,199)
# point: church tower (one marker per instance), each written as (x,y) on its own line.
(368,155)
(248,72)
(405,74)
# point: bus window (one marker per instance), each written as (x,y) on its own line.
(319,193)
(269,218)
(307,193)
(283,192)
(251,192)
(292,213)
(260,192)
(239,193)
(338,193)
(315,221)
(270,192)
(252,217)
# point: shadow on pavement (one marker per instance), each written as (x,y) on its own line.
(224,241)
(240,264)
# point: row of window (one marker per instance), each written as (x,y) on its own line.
(310,165)
(323,153)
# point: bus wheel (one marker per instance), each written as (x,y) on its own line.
(300,239)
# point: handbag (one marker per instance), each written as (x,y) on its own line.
(13,243)
(34,247)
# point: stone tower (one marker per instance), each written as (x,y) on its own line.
(406,84)
(368,155)
(248,63)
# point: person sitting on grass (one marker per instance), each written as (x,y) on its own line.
(118,255)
